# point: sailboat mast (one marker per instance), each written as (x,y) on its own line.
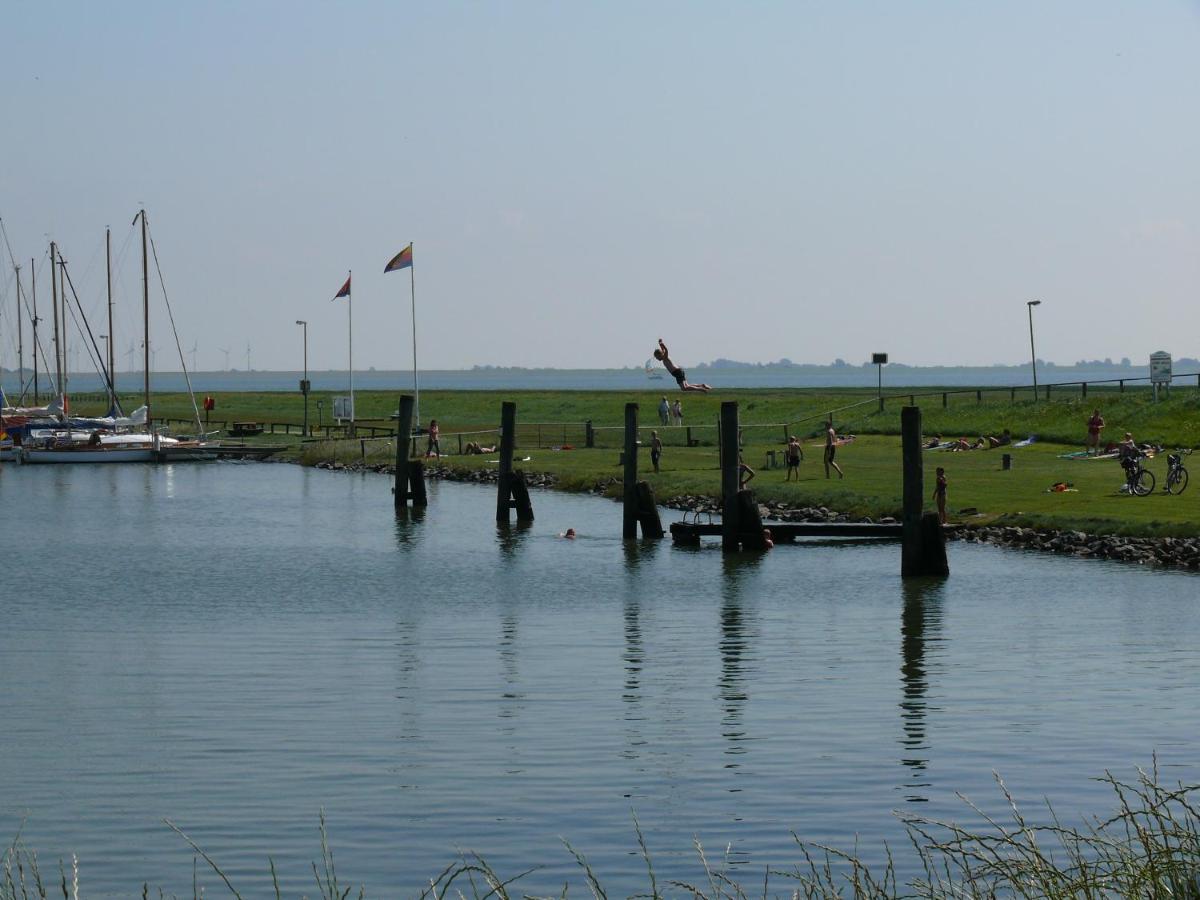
(111,361)
(20,338)
(33,286)
(54,299)
(63,308)
(146,318)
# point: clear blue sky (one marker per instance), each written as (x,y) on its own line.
(748,180)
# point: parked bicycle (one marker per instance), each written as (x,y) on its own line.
(1138,479)
(1177,474)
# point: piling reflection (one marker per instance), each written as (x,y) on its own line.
(408,526)
(510,537)
(736,649)
(633,652)
(920,626)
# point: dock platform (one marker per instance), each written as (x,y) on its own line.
(788,532)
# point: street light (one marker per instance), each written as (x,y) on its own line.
(1033,353)
(304,382)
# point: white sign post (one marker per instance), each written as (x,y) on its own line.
(1160,371)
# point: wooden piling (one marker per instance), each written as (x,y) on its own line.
(629,517)
(403,429)
(924,547)
(730,532)
(750,526)
(508,435)
(416,483)
(647,512)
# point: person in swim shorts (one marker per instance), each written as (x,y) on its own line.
(793,454)
(663,356)
(831,450)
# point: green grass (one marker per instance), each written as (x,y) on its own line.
(872,463)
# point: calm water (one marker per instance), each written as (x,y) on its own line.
(237,646)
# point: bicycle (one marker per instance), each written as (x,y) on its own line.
(1177,475)
(1139,481)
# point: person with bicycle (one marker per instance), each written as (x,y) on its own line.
(1128,452)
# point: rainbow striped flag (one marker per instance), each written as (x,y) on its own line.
(402,260)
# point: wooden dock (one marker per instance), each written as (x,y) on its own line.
(788,532)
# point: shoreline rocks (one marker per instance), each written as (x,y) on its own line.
(1153,551)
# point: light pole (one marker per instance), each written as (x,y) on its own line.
(304,382)
(1033,353)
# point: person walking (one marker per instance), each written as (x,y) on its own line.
(664,411)
(434,447)
(939,494)
(655,449)
(794,453)
(831,450)
(677,412)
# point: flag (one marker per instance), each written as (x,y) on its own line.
(402,260)
(345,291)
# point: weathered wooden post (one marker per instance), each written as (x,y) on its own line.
(629,494)
(589,434)
(945,400)
(730,520)
(924,542)
(647,511)
(510,489)
(403,429)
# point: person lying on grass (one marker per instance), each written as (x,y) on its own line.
(663,356)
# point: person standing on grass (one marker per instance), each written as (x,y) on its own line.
(655,449)
(831,449)
(939,494)
(664,411)
(1094,426)
(664,356)
(677,412)
(794,453)
(433,448)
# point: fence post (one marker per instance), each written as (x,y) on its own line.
(1121,382)
(945,400)
(589,434)
(1084,384)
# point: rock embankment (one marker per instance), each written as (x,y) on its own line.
(1162,551)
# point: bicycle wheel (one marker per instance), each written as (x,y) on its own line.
(1143,484)
(1177,481)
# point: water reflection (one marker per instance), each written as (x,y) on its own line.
(632,655)
(511,537)
(408,526)
(920,625)
(736,650)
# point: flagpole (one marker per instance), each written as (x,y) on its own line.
(350,317)
(412,282)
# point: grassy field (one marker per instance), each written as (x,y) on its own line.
(872,463)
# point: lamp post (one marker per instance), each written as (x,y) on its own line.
(304,381)
(1033,353)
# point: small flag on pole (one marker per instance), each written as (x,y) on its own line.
(402,260)
(344,292)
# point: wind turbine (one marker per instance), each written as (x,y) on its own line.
(129,356)
(247,357)
(226,352)
(195,345)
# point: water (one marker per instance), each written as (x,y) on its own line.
(238,646)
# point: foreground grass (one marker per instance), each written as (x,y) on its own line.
(1148,847)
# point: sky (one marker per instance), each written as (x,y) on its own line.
(751,181)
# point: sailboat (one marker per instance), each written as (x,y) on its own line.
(652,370)
(102,445)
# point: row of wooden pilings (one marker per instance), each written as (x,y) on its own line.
(923,539)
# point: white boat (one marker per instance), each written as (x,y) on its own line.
(652,370)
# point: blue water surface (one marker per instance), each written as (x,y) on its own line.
(236,647)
